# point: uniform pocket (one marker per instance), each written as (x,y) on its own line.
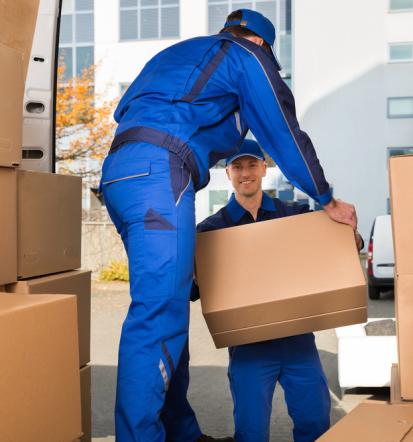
(126,171)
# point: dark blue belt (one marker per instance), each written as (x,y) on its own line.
(162,139)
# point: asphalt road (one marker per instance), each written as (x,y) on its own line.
(209,393)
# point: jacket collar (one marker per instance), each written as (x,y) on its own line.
(236,211)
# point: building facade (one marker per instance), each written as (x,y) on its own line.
(349,63)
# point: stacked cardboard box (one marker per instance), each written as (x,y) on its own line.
(384,421)
(401,193)
(40,246)
(39,375)
(273,279)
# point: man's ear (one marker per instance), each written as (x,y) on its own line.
(227,172)
(265,168)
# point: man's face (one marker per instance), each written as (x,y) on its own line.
(246,175)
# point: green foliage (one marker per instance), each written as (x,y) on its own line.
(115,271)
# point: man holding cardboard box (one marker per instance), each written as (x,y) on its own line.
(254,369)
(190,106)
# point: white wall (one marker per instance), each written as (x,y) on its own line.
(341,83)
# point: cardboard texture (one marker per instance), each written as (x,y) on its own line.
(373,421)
(401,197)
(274,279)
(404,314)
(86,397)
(395,397)
(8,231)
(39,374)
(77,283)
(18,23)
(11,107)
(49,223)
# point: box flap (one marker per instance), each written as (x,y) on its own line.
(374,422)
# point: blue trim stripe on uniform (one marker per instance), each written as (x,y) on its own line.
(267,65)
(207,72)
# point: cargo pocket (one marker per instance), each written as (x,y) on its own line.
(129,171)
(160,249)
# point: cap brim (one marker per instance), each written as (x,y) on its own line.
(244,155)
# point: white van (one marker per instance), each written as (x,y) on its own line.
(380,259)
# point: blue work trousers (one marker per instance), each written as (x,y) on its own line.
(150,198)
(254,370)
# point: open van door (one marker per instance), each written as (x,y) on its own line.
(38,151)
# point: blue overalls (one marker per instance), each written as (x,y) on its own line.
(191,105)
(254,369)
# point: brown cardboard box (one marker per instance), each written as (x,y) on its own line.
(86,395)
(401,192)
(404,314)
(39,373)
(401,171)
(374,421)
(71,283)
(8,230)
(279,278)
(49,223)
(11,107)
(17,23)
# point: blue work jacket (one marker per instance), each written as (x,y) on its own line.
(208,92)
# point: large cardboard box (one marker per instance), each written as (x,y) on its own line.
(49,223)
(18,23)
(39,373)
(8,226)
(86,396)
(374,421)
(279,278)
(11,106)
(77,283)
(401,192)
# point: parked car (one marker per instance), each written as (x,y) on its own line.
(380,258)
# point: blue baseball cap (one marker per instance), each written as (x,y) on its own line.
(249,148)
(258,23)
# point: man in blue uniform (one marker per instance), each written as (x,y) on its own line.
(254,369)
(191,105)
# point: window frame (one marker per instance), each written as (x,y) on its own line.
(74,44)
(138,8)
(396,117)
(392,11)
(402,60)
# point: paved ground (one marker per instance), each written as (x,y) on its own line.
(209,394)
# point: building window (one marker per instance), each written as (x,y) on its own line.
(401,5)
(401,52)
(149,19)
(278,11)
(217,200)
(397,151)
(400,107)
(76,43)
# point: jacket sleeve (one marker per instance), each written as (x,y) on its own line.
(267,105)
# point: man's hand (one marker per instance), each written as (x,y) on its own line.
(342,212)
